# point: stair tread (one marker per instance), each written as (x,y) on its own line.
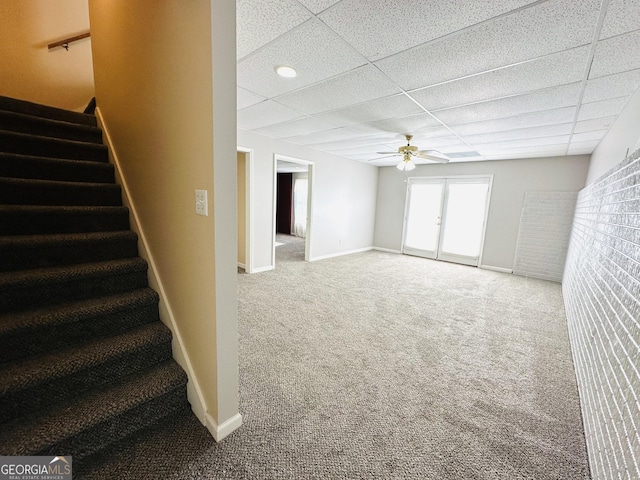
(73,311)
(54,239)
(55,423)
(19,122)
(71,272)
(54,160)
(26,373)
(55,140)
(57,183)
(45,111)
(56,209)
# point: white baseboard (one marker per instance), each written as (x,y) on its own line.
(388,250)
(495,269)
(263,269)
(340,254)
(194,392)
(225,428)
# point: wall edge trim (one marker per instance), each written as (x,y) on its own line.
(219,432)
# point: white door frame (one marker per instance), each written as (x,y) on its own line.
(310,171)
(488,177)
(249,207)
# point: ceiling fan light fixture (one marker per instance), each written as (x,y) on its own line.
(286,71)
(405,165)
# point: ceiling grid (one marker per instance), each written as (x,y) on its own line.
(481,80)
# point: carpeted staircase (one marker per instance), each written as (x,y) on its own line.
(85,360)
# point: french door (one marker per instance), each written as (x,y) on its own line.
(445,218)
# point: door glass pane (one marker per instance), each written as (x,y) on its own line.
(465,212)
(423,218)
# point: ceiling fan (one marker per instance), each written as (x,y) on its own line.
(409,151)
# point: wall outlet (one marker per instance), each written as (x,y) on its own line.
(201,203)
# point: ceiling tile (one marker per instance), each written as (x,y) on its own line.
(260,21)
(548,117)
(584,145)
(533,151)
(615,55)
(378,109)
(547,99)
(612,86)
(427,143)
(378,28)
(523,142)
(580,151)
(526,153)
(301,126)
(245,98)
(364,149)
(540,30)
(323,136)
(596,124)
(353,143)
(521,133)
(558,69)
(299,49)
(588,136)
(317,6)
(605,108)
(265,113)
(409,124)
(622,16)
(359,85)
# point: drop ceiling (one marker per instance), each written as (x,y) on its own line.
(477,80)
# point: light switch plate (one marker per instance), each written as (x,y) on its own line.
(201,203)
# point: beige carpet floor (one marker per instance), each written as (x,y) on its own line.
(385,366)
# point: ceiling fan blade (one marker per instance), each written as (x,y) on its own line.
(435,153)
(439,159)
(382,158)
(389,153)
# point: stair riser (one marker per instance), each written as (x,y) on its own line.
(29,108)
(21,166)
(13,122)
(24,222)
(53,148)
(16,298)
(36,341)
(117,428)
(66,194)
(20,256)
(109,372)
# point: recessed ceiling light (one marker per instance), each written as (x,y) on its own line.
(285,71)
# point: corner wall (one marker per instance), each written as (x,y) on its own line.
(155,65)
(511,179)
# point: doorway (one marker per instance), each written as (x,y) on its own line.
(293,199)
(244,194)
(445,218)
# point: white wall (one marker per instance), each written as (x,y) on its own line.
(512,178)
(622,139)
(344,199)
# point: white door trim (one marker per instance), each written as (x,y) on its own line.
(249,208)
(310,171)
